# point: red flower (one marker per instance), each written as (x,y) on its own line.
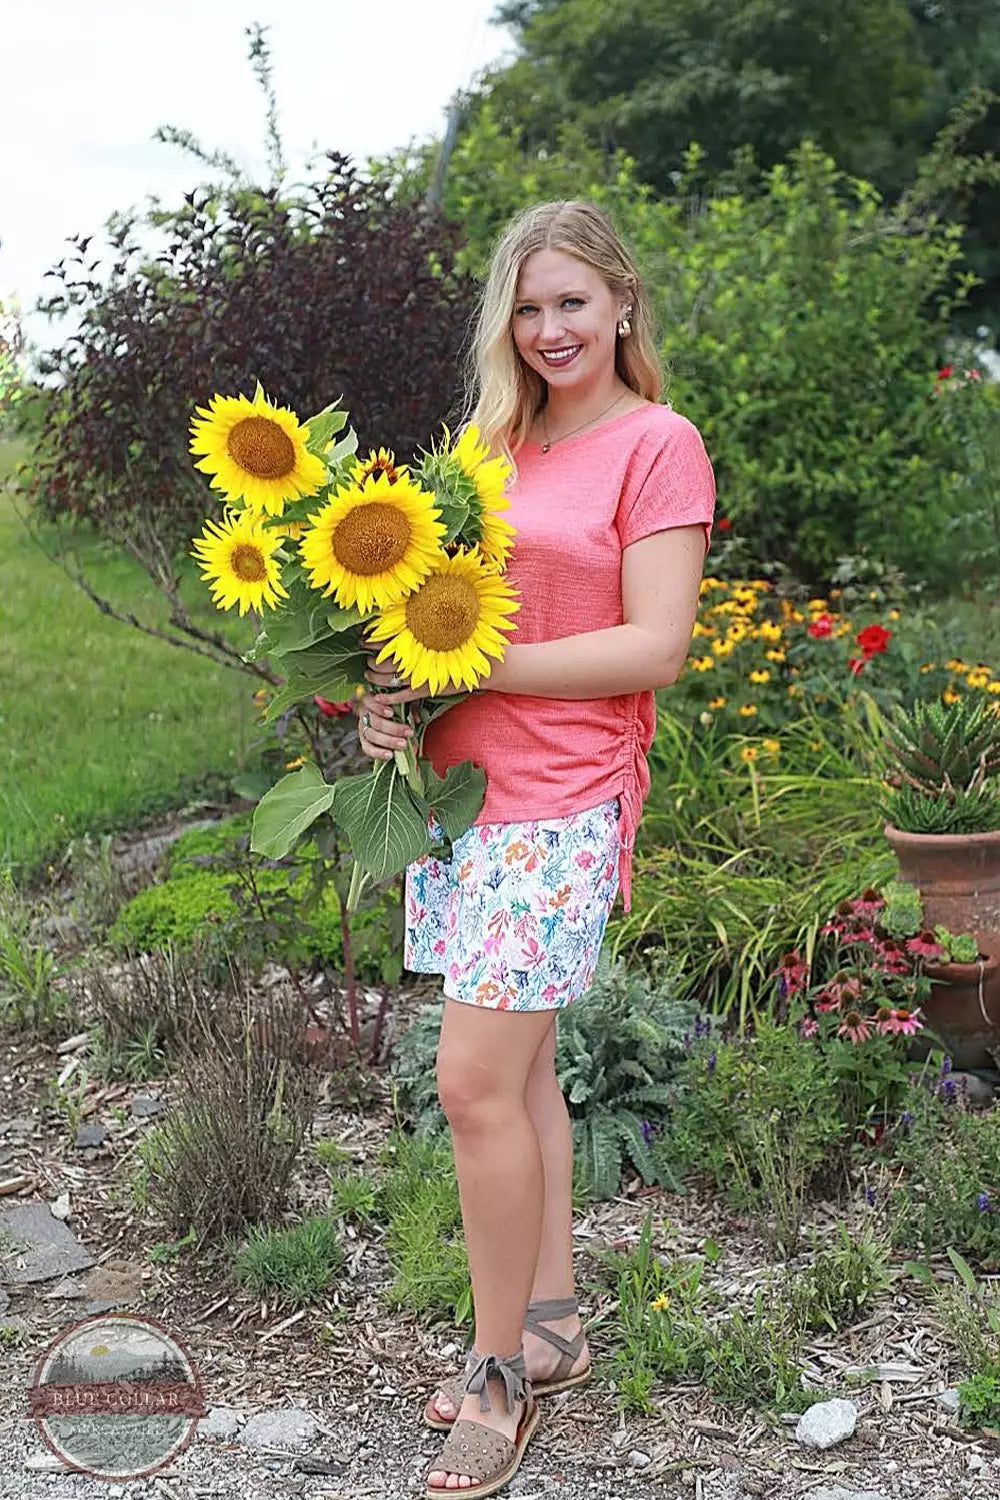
(973,375)
(331,710)
(873,639)
(822,625)
(723,524)
(869,902)
(945,372)
(856,664)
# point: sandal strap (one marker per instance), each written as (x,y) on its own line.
(511,1372)
(555,1307)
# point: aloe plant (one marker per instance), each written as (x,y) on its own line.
(941,765)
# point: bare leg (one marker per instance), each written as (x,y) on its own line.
(554,1270)
(484,1059)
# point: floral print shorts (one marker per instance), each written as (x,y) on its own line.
(515,919)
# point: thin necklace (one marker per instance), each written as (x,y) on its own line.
(589,423)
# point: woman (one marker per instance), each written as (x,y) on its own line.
(612,500)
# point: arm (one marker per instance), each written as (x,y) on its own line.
(660,578)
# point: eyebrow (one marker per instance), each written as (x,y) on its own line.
(571,292)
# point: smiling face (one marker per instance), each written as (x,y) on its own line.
(565,321)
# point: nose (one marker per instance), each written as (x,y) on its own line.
(552,325)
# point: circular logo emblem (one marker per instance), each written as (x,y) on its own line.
(116,1397)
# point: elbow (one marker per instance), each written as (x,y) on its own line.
(668,669)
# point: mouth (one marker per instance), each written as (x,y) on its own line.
(556,358)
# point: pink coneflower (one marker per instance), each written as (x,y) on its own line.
(859,935)
(793,973)
(832,929)
(807,1028)
(826,1000)
(901,1022)
(924,945)
(855,1027)
(847,988)
(869,902)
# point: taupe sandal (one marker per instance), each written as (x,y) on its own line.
(481,1452)
(560,1379)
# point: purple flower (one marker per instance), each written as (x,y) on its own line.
(702,1028)
(870,1196)
(948,1090)
(983,1203)
(906,1119)
(945,1066)
(711,1062)
(647,1131)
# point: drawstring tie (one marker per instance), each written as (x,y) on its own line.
(512,1372)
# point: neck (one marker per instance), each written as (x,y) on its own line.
(565,409)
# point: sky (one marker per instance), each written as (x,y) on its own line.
(85,83)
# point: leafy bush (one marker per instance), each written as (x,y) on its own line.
(335,286)
(215,890)
(950,1189)
(297,1264)
(616,1050)
(667,1329)
(734,863)
(761,1115)
(28,993)
(843,1279)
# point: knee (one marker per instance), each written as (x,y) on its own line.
(472,1101)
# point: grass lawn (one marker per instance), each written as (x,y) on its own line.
(99,724)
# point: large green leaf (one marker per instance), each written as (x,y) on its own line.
(456,798)
(386,826)
(333,668)
(323,426)
(284,812)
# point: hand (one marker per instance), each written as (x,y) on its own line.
(380,732)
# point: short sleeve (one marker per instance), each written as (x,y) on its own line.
(676,489)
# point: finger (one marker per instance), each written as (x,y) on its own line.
(382,739)
(404,695)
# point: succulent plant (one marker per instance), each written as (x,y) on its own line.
(942,768)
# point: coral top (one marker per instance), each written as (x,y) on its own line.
(575,509)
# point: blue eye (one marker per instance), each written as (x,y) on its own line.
(577,301)
(525,308)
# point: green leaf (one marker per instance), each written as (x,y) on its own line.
(385,825)
(343,619)
(964,1270)
(456,798)
(284,812)
(323,426)
(454,515)
(333,668)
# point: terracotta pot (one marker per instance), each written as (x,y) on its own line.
(964,1008)
(958,877)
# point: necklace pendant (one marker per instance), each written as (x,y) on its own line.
(546,447)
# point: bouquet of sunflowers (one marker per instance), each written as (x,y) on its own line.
(335,552)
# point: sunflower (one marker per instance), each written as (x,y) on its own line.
(444,632)
(237,555)
(372,544)
(379,461)
(255,452)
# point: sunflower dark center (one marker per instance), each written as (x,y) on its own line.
(261,448)
(371,539)
(377,466)
(443,614)
(248,563)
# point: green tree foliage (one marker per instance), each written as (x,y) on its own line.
(650,76)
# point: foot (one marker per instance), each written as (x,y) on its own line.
(540,1358)
(498,1418)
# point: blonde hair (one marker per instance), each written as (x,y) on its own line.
(506,394)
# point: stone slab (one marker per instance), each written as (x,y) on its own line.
(46,1248)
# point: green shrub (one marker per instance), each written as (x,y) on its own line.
(297,1264)
(215,888)
(28,994)
(843,1279)
(668,1329)
(760,1115)
(616,1050)
(950,1189)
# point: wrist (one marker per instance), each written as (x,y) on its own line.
(499,680)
